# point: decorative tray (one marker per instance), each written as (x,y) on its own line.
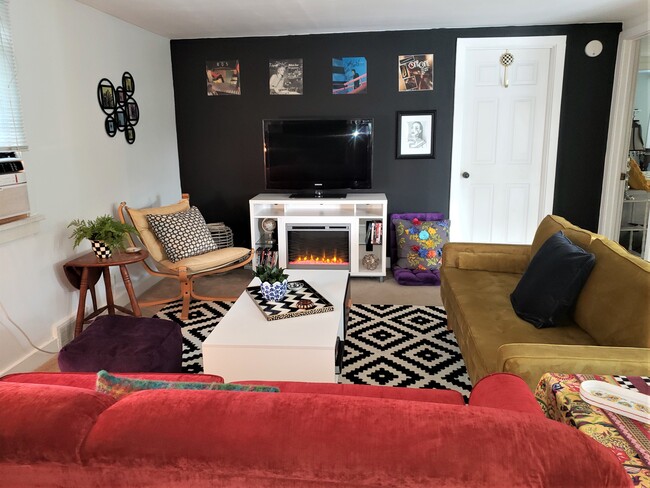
(616,399)
(288,307)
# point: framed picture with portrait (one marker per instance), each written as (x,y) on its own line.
(416,133)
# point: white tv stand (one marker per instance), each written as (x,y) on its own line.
(355,209)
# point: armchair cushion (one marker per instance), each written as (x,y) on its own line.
(209,260)
(139,219)
(182,234)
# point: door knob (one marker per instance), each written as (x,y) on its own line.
(465,174)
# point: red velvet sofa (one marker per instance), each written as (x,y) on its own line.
(55,430)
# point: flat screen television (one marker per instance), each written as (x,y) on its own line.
(314,155)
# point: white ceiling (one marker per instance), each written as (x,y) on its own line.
(185,19)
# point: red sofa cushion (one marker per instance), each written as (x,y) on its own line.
(413,394)
(314,440)
(45,423)
(504,391)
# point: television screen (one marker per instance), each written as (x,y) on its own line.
(318,154)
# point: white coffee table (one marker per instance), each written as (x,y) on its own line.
(245,346)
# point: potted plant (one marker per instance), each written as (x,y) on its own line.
(274,282)
(105,234)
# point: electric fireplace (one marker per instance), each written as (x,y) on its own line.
(318,246)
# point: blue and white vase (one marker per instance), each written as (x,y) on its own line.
(274,292)
(101,250)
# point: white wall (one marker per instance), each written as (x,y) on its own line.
(74,169)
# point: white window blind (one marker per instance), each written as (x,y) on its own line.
(12,136)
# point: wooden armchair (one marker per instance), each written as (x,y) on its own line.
(188,269)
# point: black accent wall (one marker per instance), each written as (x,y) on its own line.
(220,137)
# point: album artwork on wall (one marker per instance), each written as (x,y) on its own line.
(349,76)
(285,76)
(415,72)
(223,77)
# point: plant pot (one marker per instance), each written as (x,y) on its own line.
(274,292)
(101,250)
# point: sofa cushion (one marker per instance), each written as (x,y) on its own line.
(182,234)
(499,262)
(46,423)
(119,387)
(478,304)
(552,281)
(614,305)
(317,440)
(139,219)
(552,224)
(419,243)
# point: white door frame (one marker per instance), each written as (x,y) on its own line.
(557,44)
(620,126)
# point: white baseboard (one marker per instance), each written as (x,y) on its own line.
(64,328)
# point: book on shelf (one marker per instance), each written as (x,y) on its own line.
(374,232)
(265,256)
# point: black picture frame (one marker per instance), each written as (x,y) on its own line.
(106,96)
(129,134)
(110,125)
(120,118)
(132,111)
(120,95)
(411,144)
(128,83)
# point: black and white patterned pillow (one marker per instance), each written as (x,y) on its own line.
(182,234)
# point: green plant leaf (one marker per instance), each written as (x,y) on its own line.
(104,228)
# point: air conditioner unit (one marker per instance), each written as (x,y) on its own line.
(14,202)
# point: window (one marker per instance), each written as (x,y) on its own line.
(12,135)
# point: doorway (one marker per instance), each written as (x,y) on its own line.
(619,136)
(506,121)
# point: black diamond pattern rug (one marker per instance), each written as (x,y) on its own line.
(388,345)
(403,345)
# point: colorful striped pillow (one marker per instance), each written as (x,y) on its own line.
(118,387)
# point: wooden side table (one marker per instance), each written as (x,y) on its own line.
(89,264)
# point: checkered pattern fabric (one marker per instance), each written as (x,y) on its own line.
(182,234)
(101,250)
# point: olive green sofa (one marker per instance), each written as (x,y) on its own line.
(607,332)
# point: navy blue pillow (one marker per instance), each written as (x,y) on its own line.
(551,283)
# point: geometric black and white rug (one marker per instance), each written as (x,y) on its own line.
(203,317)
(387,345)
(403,345)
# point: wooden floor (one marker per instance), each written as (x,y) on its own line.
(233,284)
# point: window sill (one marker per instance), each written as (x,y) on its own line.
(20,228)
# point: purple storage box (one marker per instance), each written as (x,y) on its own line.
(406,276)
(124,344)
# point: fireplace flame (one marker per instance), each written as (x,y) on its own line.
(318,260)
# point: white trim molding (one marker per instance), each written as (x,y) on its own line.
(627,63)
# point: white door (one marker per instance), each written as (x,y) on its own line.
(506,124)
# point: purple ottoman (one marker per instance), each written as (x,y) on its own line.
(123,344)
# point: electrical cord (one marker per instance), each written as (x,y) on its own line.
(4,311)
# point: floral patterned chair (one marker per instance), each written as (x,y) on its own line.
(423,263)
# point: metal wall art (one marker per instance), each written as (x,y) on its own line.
(121,109)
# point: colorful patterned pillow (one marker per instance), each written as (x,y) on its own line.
(182,234)
(419,243)
(120,387)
